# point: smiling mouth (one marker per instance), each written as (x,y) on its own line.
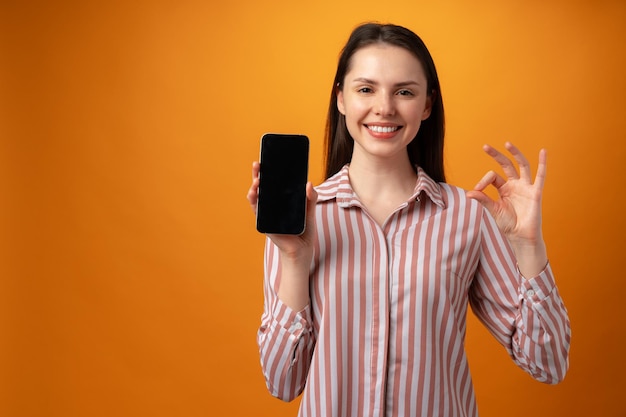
(383,129)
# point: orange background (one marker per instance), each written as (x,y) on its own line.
(131,273)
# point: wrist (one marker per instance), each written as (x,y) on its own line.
(294,278)
(297,259)
(294,282)
(532,257)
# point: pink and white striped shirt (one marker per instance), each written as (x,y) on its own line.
(384,332)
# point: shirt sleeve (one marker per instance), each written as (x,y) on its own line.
(527,316)
(285,337)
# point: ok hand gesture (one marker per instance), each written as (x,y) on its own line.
(518,210)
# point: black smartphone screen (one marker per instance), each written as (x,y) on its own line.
(281,206)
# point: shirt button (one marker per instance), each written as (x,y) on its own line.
(530,293)
(297,326)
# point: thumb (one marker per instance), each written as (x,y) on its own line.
(482,198)
(311,194)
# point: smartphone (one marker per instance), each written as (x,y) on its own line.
(281,207)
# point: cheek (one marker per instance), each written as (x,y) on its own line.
(354,109)
(355,113)
(415,112)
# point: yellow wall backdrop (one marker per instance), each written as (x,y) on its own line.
(130,269)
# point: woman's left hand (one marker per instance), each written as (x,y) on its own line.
(518,210)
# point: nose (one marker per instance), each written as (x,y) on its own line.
(384,106)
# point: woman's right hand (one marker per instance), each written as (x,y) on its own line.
(293,247)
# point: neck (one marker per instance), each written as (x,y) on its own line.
(373,178)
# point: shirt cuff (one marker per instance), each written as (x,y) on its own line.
(295,322)
(539,287)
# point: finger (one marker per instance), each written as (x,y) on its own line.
(540,178)
(256,168)
(503,161)
(522,162)
(253,191)
(490,178)
(253,194)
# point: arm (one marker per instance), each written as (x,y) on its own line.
(526,315)
(515,294)
(285,337)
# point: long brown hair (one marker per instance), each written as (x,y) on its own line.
(426,149)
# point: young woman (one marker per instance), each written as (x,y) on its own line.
(365,313)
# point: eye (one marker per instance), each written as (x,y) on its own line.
(364,90)
(405,93)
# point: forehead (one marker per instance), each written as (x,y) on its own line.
(382,60)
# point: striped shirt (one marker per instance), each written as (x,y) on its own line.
(383,334)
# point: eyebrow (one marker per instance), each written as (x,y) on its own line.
(369,81)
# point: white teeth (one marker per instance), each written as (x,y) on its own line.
(383,129)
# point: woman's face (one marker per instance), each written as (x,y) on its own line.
(384,99)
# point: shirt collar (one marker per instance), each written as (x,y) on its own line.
(338,187)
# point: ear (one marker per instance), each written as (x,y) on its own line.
(429,106)
(340,104)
